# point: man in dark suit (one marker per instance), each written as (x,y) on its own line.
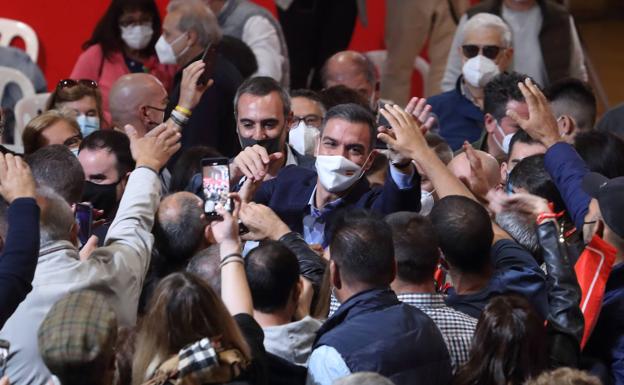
(263,116)
(307,200)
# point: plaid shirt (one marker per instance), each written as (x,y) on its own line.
(456,327)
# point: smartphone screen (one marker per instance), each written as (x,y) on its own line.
(209,57)
(4,355)
(84,219)
(216,184)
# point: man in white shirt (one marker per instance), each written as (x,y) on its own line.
(257,28)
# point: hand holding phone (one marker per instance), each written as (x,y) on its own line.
(209,57)
(215,185)
(84,219)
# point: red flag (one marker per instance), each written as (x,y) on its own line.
(592,271)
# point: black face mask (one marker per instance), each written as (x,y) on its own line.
(271,145)
(102,197)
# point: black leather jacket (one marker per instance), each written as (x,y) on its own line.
(565,319)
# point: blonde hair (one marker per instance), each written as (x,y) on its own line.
(565,376)
(32,135)
(73,93)
(183,309)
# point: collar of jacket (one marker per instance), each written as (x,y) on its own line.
(53,247)
(364,302)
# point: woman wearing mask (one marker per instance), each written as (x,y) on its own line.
(123,42)
(82,100)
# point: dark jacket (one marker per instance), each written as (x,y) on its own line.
(212,122)
(555,36)
(19,255)
(515,272)
(289,194)
(565,319)
(459,119)
(374,331)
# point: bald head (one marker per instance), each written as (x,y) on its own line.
(353,70)
(460,167)
(138,99)
(179,227)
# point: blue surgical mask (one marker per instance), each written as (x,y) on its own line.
(88,124)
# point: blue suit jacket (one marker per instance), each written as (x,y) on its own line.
(458,117)
(289,193)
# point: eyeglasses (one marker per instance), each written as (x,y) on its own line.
(72,141)
(310,120)
(489,51)
(68,83)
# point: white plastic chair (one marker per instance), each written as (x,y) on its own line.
(25,110)
(378,58)
(10,29)
(13,76)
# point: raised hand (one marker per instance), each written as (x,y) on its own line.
(419,108)
(477,182)
(541,124)
(253,162)
(155,148)
(16,180)
(262,222)
(190,92)
(525,203)
(407,138)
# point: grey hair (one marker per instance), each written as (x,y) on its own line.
(353,113)
(488,20)
(364,378)
(522,229)
(56,218)
(196,16)
(205,265)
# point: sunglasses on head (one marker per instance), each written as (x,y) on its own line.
(68,83)
(489,51)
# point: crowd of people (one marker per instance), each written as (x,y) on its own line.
(472,237)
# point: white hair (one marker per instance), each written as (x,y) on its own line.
(364,378)
(196,16)
(488,20)
(56,218)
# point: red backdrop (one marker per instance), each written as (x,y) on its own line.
(62,27)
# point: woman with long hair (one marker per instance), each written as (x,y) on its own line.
(509,345)
(184,309)
(123,42)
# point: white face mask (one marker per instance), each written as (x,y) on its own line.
(165,52)
(75,151)
(303,138)
(137,36)
(88,124)
(426,202)
(506,139)
(337,173)
(479,70)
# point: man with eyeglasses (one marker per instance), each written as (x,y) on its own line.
(308,112)
(486,51)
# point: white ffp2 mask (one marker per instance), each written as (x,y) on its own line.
(337,173)
(303,138)
(479,70)
(506,139)
(165,52)
(137,36)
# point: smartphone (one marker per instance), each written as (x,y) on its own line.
(84,219)
(209,57)
(383,122)
(215,185)
(4,355)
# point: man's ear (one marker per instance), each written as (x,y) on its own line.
(369,162)
(334,275)
(297,290)
(567,127)
(503,171)
(490,123)
(289,119)
(208,236)
(506,59)
(600,228)
(73,234)
(192,37)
